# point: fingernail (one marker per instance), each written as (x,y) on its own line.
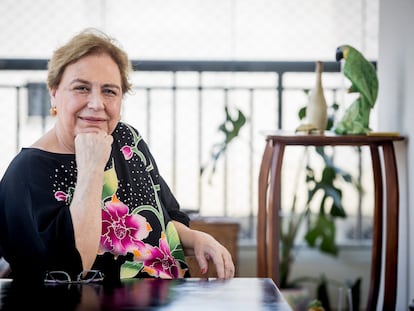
(204,270)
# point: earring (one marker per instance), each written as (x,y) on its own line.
(53,111)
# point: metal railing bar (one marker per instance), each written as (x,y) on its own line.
(148,104)
(17,118)
(225,170)
(174,131)
(190,65)
(233,66)
(200,137)
(279,101)
(252,185)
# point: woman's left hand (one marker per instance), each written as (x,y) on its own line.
(207,248)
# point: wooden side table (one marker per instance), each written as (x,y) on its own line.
(269,193)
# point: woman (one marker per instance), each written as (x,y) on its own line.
(88,194)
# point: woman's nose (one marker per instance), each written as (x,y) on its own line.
(96,100)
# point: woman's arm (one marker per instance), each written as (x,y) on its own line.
(92,154)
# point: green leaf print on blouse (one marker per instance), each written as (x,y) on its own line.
(174,242)
(110,184)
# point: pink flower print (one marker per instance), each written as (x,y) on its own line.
(161,264)
(61,196)
(122,232)
(127,152)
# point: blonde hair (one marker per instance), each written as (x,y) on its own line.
(89,41)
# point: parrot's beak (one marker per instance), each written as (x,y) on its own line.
(339,54)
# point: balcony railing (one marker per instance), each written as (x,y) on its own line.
(177,106)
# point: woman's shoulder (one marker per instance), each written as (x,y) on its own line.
(37,159)
(33,153)
(28,154)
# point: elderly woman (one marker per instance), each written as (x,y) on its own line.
(88,194)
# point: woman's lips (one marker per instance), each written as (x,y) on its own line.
(92,119)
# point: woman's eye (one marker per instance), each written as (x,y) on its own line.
(82,88)
(110,92)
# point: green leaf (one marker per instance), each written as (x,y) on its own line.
(334,193)
(328,175)
(174,242)
(337,211)
(231,127)
(310,174)
(330,123)
(335,106)
(322,235)
(129,269)
(110,182)
(302,113)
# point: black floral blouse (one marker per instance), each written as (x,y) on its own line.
(138,239)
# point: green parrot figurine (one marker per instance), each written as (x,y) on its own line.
(364,80)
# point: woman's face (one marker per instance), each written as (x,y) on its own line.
(88,98)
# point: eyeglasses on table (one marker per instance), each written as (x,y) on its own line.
(62,277)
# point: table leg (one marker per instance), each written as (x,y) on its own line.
(377,240)
(392,214)
(274,212)
(262,211)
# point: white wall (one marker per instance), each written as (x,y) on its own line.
(395,113)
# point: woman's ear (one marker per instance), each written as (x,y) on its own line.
(52,92)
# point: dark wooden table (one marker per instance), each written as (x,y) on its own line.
(251,294)
(385,176)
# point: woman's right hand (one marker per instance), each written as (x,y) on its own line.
(92,150)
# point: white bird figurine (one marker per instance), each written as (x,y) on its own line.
(316,110)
